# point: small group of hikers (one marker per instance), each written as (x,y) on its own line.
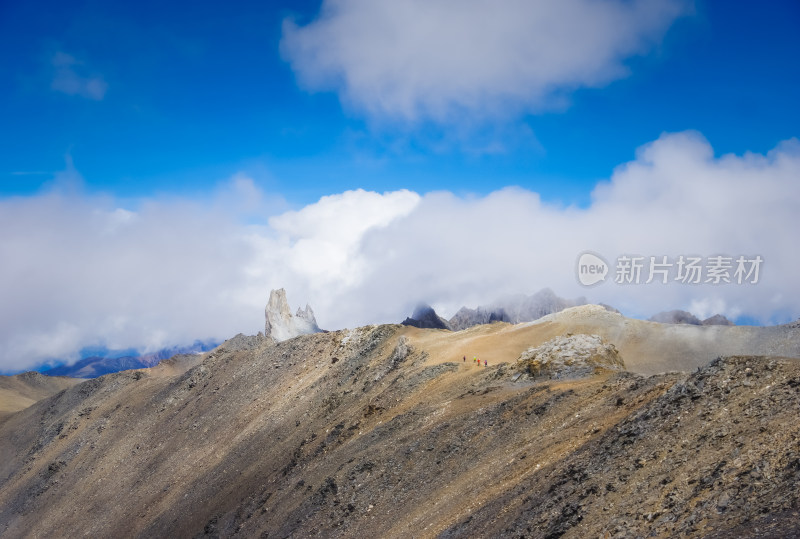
(478,361)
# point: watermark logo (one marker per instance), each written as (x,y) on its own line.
(592,269)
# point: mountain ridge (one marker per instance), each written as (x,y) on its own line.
(94,366)
(383,430)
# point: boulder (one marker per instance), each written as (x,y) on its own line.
(571,356)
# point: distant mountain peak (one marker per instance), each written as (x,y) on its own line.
(678,316)
(514,309)
(425,317)
(717,320)
(98,365)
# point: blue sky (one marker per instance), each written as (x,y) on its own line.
(199,91)
(165,164)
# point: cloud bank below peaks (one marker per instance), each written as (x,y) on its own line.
(81,270)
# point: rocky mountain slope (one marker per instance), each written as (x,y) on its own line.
(386,431)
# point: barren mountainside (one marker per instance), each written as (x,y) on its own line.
(22,390)
(394,431)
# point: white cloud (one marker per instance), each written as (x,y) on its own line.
(80,270)
(323,241)
(675,199)
(469,60)
(71,77)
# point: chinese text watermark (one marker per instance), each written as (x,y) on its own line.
(593,269)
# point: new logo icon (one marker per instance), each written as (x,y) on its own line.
(591,269)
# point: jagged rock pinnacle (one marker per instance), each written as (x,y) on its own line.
(307,315)
(281,325)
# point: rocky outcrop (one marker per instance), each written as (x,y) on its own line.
(425,317)
(281,325)
(243,342)
(306,314)
(609,308)
(685,317)
(717,320)
(676,317)
(514,309)
(571,356)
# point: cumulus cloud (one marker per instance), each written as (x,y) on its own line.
(81,270)
(323,240)
(675,199)
(72,77)
(445,60)
(78,270)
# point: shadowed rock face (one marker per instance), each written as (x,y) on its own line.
(425,317)
(281,325)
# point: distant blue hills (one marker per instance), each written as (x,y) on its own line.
(97,361)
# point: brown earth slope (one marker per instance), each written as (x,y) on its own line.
(647,347)
(385,431)
(20,391)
